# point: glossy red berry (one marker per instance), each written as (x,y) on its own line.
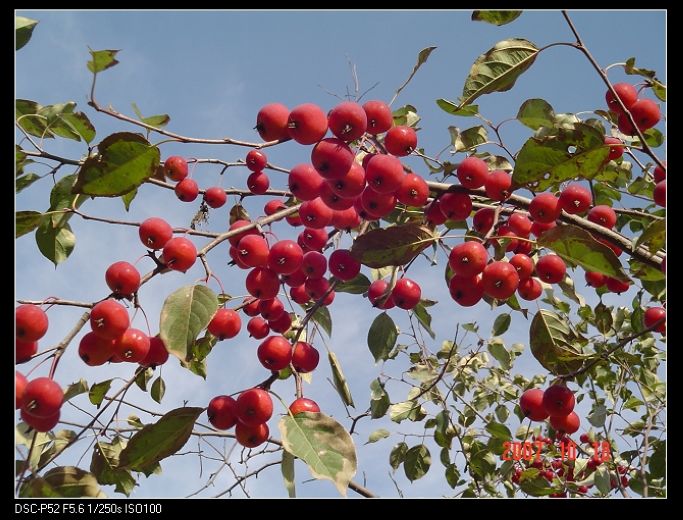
(31,322)
(531,404)
(95,350)
(332,200)
(256,160)
(315,214)
(558,400)
(179,254)
(275,353)
(225,324)
(520,224)
(376,204)
(20,383)
(379,117)
(384,173)
(595,279)
(285,257)
(645,113)
(378,291)
(238,224)
(413,190)
(482,221)
(187,190)
(43,397)
(472,172)
(343,265)
(500,280)
(433,213)
(222,412)
(603,215)
(307,124)
(351,185)
(575,199)
(271,122)
(400,141)
(551,268)
(466,290)
(314,264)
(175,168)
(305,357)
(157,355)
(299,295)
(616,286)
(468,259)
(659,173)
(314,239)
(347,121)
(566,423)
(25,350)
(455,206)
(155,232)
(626,92)
(258,327)
(303,405)
(538,228)
(616,148)
(262,283)
(332,158)
(305,182)
(258,183)
(109,319)
(281,324)
(545,208)
(406,293)
(523,264)
(316,287)
(273,206)
(271,309)
(659,194)
(40,424)
(529,289)
(498,184)
(251,436)
(215,197)
(122,278)
(254,406)
(132,346)
(653,315)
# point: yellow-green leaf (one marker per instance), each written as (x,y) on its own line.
(395,245)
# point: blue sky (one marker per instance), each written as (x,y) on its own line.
(212,71)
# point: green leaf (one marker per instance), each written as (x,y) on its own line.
(497,349)
(144,377)
(534,484)
(501,324)
(654,237)
(287,468)
(102,60)
(498,68)
(579,247)
(157,121)
(184,314)
(55,244)
(657,86)
(104,465)
(158,389)
(422,57)
(602,480)
(406,410)
(654,137)
(27,221)
(382,337)
(398,455)
(98,391)
(159,440)
(358,285)
(26,114)
(378,435)
(323,444)
(495,17)
(603,318)
(597,416)
(406,116)
(66,482)
(74,389)
(340,382)
(379,399)
(322,317)
(499,431)
(471,138)
(443,433)
(127,198)
(23,29)
(76,123)
(452,475)
(424,318)
(536,113)
(568,289)
(395,245)
(546,162)
(124,161)
(417,462)
(25,181)
(455,110)
(552,343)
(657,462)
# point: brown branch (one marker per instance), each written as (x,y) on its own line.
(61,347)
(56,301)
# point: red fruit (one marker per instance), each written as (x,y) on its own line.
(285,257)
(251,436)
(584,438)
(482,221)
(347,121)
(299,295)
(179,254)
(258,328)
(314,264)
(304,405)
(305,182)
(379,117)
(523,264)
(332,200)
(377,204)
(519,224)
(467,291)
(316,287)
(351,185)
(659,173)
(558,400)
(413,190)
(187,190)
(455,206)
(42,397)
(545,208)
(271,309)
(376,291)
(215,197)
(132,346)
(256,160)
(155,232)
(94,350)
(294,220)
(332,158)
(531,404)
(498,185)
(275,353)
(504,231)
(500,280)
(258,183)
(384,173)
(468,259)
(24,350)
(31,322)
(222,412)
(653,315)
(315,214)
(271,122)
(40,424)
(595,279)
(109,319)
(551,268)
(523,248)
(225,324)
(472,172)
(433,213)
(253,251)
(603,215)
(645,113)
(282,324)
(305,357)
(583,489)
(122,278)
(175,168)
(263,283)
(307,124)
(236,257)
(616,286)
(659,194)
(20,383)
(273,206)
(626,92)
(616,148)
(400,141)
(157,355)
(314,239)
(343,265)
(575,199)
(254,406)
(529,289)
(235,239)
(625,481)
(566,423)
(406,293)
(538,228)
(625,126)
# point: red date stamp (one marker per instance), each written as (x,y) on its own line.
(533,450)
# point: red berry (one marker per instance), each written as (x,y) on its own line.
(314,239)
(109,319)
(95,350)
(238,224)
(122,278)
(40,424)
(575,199)
(566,423)
(406,293)
(303,405)
(343,265)
(20,383)
(187,190)
(155,232)
(351,185)
(433,213)
(275,353)
(482,221)
(347,121)
(256,160)
(616,286)
(455,206)
(472,172)
(625,126)
(258,328)
(531,404)
(273,206)
(282,324)
(225,324)
(307,124)
(523,264)
(659,173)
(258,183)
(254,406)
(251,436)
(316,287)
(179,254)
(25,350)
(31,322)
(603,215)
(500,280)
(413,190)
(253,251)
(529,289)
(465,290)
(305,357)
(645,113)
(299,295)
(175,168)
(42,397)
(376,291)
(222,412)
(377,204)
(285,257)
(558,400)
(332,200)
(314,264)
(551,268)
(626,92)
(538,228)
(315,214)
(271,309)
(659,194)
(215,197)
(519,224)
(262,283)
(132,346)
(468,259)
(271,122)
(616,148)
(545,208)
(305,182)
(332,158)
(584,438)
(400,141)
(157,355)
(595,279)
(653,315)
(379,117)
(384,173)
(498,185)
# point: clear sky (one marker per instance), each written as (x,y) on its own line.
(212,71)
